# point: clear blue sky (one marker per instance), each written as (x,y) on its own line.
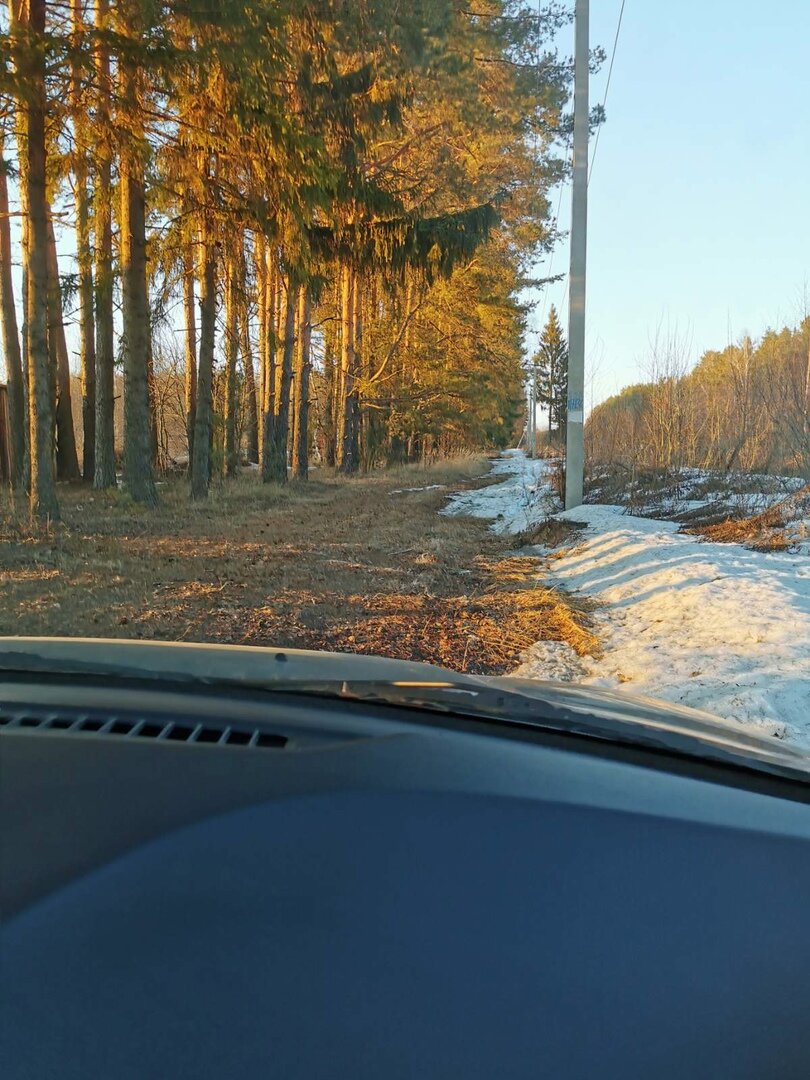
(699,209)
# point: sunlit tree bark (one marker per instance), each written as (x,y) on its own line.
(11,338)
(28,35)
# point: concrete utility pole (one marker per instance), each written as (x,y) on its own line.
(531,429)
(575,426)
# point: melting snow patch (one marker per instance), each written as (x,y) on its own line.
(551,660)
(524,498)
(405,491)
(716,627)
(713,626)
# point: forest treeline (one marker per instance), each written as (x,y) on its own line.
(334,206)
(746,407)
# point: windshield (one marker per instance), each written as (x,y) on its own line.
(472,334)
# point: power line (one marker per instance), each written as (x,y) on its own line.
(563,188)
(607,86)
(564,185)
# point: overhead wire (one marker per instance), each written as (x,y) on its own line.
(607,86)
(564,185)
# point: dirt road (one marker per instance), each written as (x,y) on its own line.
(365,565)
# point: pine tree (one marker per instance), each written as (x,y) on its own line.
(230,395)
(551,365)
(300,441)
(137,463)
(84,246)
(30,60)
(391,173)
(67,460)
(251,405)
(203,417)
(10,335)
(104,473)
(190,350)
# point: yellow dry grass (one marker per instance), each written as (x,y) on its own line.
(767,531)
(350,565)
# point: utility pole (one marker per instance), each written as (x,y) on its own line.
(531,434)
(575,426)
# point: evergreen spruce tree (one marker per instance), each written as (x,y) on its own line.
(551,365)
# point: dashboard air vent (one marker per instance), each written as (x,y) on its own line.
(133,727)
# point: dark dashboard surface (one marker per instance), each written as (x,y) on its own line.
(376,896)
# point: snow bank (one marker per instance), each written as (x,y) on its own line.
(523,498)
(714,626)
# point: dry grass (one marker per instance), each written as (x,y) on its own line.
(550,533)
(772,530)
(334,563)
(763,532)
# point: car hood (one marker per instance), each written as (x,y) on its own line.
(605,714)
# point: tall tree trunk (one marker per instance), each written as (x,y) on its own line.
(273,288)
(300,459)
(347,419)
(17,31)
(11,339)
(277,457)
(359,363)
(250,388)
(328,418)
(191,350)
(261,318)
(67,459)
(104,476)
(368,419)
(28,23)
(292,437)
(231,390)
(332,379)
(138,442)
(24,233)
(87,335)
(84,249)
(154,442)
(201,459)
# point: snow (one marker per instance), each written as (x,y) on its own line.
(405,491)
(714,626)
(522,499)
(679,491)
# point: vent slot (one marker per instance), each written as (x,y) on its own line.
(121,727)
(264,738)
(150,731)
(60,724)
(92,725)
(238,738)
(209,735)
(164,731)
(180,733)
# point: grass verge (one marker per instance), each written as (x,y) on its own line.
(360,565)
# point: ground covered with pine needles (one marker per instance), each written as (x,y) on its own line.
(362,565)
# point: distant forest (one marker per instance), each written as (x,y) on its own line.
(746,407)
